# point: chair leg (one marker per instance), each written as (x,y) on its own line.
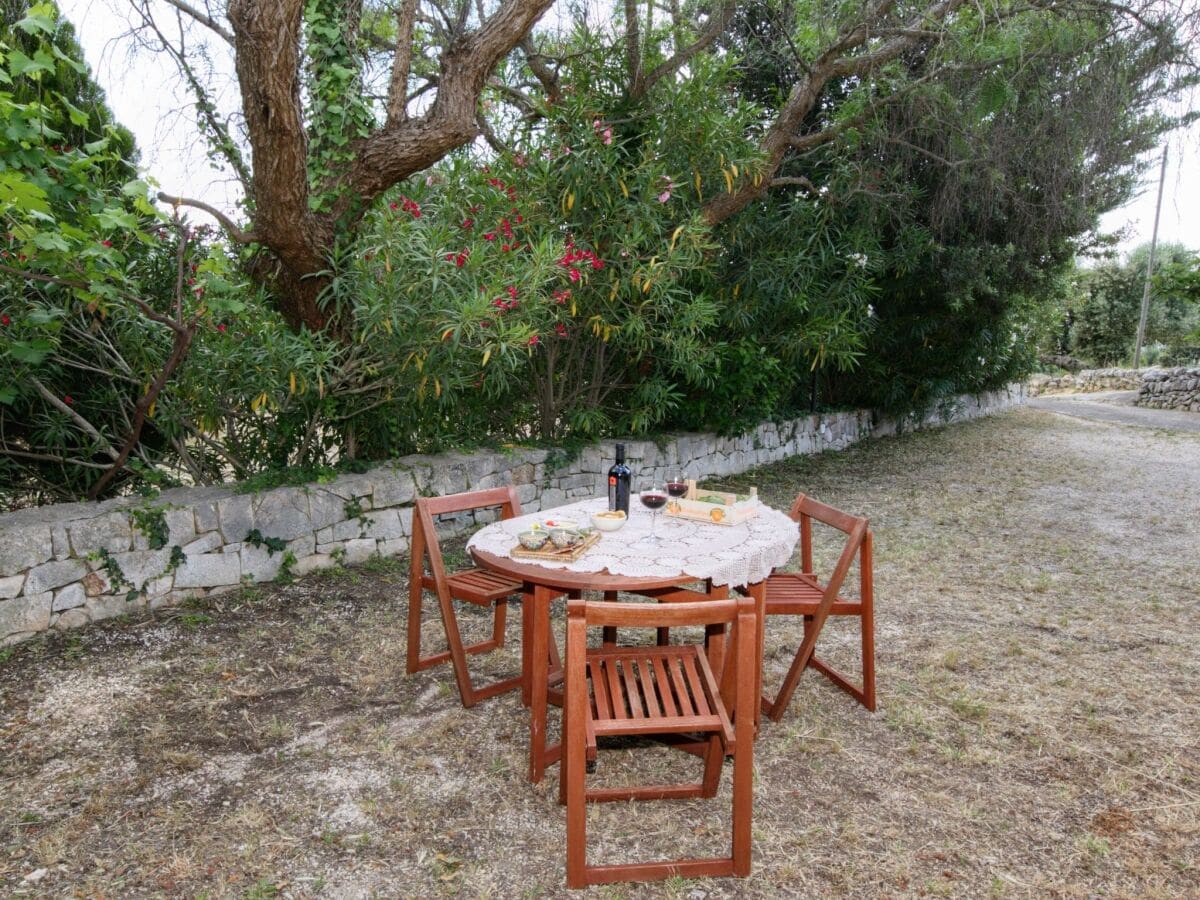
(803,655)
(500,621)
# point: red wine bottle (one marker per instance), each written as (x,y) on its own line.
(619,478)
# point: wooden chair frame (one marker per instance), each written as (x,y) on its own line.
(661,678)
(803,595)
(476,586)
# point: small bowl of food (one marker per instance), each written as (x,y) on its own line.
(609,521)
(533,539)
(551,524)
(562,538)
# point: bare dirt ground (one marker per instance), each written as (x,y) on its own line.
(1038,731)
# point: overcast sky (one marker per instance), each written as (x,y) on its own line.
(145,93)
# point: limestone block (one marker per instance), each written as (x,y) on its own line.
(385,525)
(526,493)
(205,543)
(259,564)
(346,487)
(313,563)
(24,547)
(60,542)
(302,546)
(54,574)
(346,530)
(158,587)
(24,615)
(111,532)
(552,497)
(95,583)
(524,474)
(397,547)
(139,566)
(209,570)
(448,479)
(393,487)
(11,586)
(281,513)
(207,516)
(359,551)
(236,516)
(72,618)
(325,508)
(108,606)
(69,597)
(181,526)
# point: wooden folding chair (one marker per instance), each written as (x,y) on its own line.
(802,594)
(659,690)
(476,586)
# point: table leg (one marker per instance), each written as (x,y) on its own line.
(539,616)
(527,666)
(758,591)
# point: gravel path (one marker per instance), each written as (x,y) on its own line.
(1116,407)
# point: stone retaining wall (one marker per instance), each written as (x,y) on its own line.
(63,566)
(1177,388)
(1088,381)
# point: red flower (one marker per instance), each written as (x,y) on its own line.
(461,259)
(561,297)
(511,291)
(221,328)
(597,263)
(534,341)
(506,247)
(69,400)
(393,205)
(485,323)
(468,223)
(490,236)
(106,243)
(5,320)
(574,275)
(449,257)
(520,219)
(520,161)
(561,329)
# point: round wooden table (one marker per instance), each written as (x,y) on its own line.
(775,542)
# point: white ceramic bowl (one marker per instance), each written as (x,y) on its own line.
(609,521)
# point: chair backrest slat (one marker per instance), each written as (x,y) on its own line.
(655,615)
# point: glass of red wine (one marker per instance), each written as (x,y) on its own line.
(676,485)
(654,497)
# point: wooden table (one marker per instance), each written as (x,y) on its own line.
(543,583)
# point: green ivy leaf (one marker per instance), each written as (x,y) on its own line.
(30,352)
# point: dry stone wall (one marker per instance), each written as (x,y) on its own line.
(66,565)
(1177,388)
(1088,381)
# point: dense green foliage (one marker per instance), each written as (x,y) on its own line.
(564,284)
(1107,303)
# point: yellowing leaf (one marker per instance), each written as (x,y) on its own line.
(570,201)
(728,180)
(737,289)
(733,167)
(150,411)
(446,334)
(387,264)
(646,287)
(291,382)
(624,190)
(437,387)
(387,325)
(675,236)
(487,354)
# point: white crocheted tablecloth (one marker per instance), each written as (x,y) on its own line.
(728,554)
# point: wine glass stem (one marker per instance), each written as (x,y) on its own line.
(653,525)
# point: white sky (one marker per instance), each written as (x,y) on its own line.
(146,95)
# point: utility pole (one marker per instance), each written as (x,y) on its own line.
(1141,332)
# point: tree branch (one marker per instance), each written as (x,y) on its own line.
(207,21)
(231,227)
(397,104)
(714,29)
(79,420)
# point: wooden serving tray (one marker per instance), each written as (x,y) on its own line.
(550,552)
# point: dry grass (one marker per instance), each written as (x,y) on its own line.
(1037,734)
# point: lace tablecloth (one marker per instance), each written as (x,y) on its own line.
(728,554)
